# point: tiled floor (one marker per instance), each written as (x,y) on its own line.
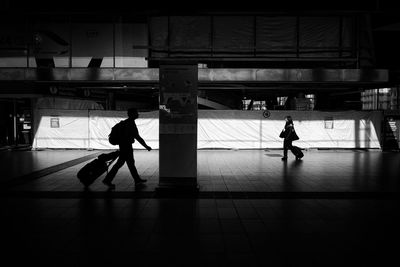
(199,232)
(130,230)
(253,171)
(20,163)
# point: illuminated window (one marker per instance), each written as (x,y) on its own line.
(254,105)
(245,103)
(259,105)
(282,100)
(382,98)
(311,97)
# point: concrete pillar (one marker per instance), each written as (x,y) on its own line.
(111,101)
(178,127)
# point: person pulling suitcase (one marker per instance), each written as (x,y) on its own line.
(289,135)
(126,134)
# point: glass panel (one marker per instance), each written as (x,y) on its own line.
(51,44)
(90,43)
(14,40)
(131,41)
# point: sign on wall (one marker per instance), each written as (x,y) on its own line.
(54,122)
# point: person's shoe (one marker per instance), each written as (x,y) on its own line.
(109,184)
(140,181)
(284,158)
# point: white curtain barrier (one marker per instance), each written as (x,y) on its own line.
(225,129)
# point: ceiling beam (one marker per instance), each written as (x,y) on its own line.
(126,75)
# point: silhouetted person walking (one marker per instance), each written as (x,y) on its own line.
(127,135)
(289,135)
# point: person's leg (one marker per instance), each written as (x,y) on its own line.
(111,174)
(130,161)
(285,149)
(127,151)
(290,146)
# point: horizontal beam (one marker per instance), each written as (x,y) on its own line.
(137,75)
(79,74)
(211,104)
(259,59)
(295,75)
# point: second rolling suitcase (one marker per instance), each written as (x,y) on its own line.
(297,152)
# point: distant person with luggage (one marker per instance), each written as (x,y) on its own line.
(124,134)
(289,135)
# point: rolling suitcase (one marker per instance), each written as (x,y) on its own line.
(297,152)
(91,171)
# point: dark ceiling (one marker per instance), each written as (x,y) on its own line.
(384,14)
(199,5)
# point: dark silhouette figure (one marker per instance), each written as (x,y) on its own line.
(289,135)
(129,132)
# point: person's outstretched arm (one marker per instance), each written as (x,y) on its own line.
(142,142)
(136,135)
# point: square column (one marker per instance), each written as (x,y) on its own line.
(178,127)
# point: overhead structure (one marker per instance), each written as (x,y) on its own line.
(150,75)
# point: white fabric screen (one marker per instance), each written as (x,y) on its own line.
(72,130)
(228,129)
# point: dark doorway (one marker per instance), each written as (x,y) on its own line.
(391,133)
(15,122)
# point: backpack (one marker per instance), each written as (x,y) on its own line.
(115,134)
